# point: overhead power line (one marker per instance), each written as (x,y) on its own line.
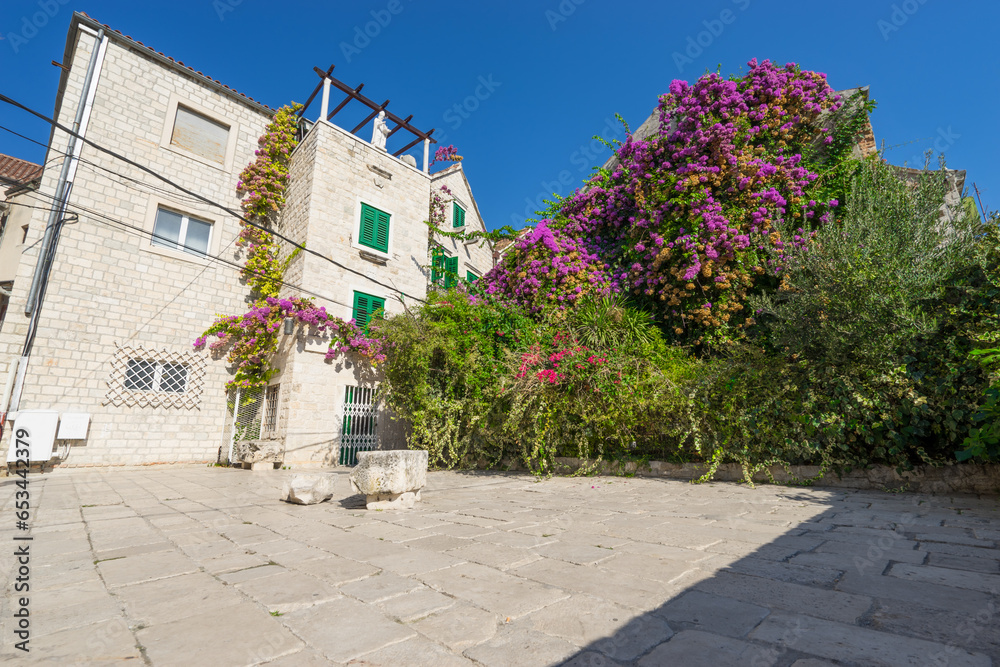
(198,196)
(139,231)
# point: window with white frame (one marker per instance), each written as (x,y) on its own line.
(149,375)
(200,135)
(179,231)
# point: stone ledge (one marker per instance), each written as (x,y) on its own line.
(958,478)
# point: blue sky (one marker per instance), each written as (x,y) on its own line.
(521,87)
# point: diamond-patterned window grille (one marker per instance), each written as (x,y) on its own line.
(155,378)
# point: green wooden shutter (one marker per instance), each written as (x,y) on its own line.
(374,228)
(437,266)
(378,304)
(451,266)
(457,216)
(364,306)
(369,221)
(382,232)
(471,277)
(362,309)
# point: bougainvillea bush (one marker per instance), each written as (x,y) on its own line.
(684,218)
(806,305)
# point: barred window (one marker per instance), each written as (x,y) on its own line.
(271,409)
(155,378)
(146,375)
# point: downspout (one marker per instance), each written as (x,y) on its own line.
(50,240)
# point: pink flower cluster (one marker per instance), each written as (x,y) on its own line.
(446,154)
(549,266)
(252,337)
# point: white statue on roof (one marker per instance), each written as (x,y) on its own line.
(380,132)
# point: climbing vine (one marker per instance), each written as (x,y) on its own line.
(253,337)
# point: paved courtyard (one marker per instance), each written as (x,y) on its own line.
(192,565)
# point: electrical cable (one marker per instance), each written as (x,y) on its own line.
(139,231)
(199,197)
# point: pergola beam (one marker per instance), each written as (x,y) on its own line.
(398,127)
(414,143)
(356,95)
(315,92)
(344,103)
(370,116)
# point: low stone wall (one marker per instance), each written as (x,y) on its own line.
(958,478)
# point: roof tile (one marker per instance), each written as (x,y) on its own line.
(17,170)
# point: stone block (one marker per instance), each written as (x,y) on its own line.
(308,489)
(390,479)
(258,451)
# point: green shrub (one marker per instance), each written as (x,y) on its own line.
(853,294)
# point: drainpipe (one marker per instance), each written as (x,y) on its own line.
(8,386)
(50,240)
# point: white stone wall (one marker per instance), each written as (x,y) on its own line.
(477,257)
(331,175)
(109,284)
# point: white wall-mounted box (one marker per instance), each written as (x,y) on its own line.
(73,426)
(38,429)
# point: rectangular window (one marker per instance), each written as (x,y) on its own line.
(365,305)
(271,409)
(471,277)
(3,225)
(181,232)
(200,135)
(146,375)
(451,272)
(374,231)
(457,215)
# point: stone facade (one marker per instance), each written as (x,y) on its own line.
(332,173)
(114,296)
(109,285)
(18,204)
(475,257)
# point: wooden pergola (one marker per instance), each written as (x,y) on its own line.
(327,81)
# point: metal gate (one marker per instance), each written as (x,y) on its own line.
(244,413)
(359,433)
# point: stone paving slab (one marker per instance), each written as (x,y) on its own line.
(192,565)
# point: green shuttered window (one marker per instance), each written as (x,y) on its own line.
(451,267)
(374,228)
(364,306)
(457,216)
(471,277)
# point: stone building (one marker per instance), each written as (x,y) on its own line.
(140,267)
(18,182)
